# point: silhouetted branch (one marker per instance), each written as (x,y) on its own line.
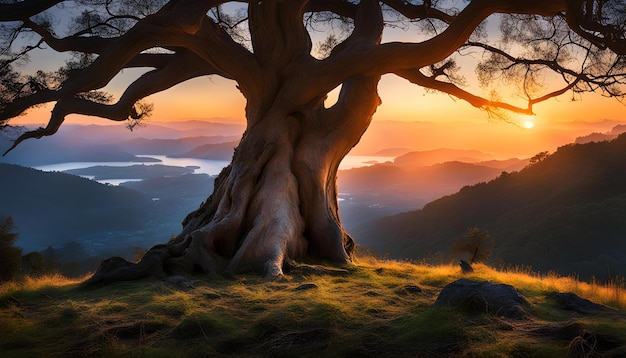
(19,10)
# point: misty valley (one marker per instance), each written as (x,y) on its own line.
(81,201)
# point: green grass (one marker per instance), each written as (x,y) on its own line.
(374,310)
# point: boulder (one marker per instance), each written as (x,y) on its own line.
(572,302)
(484,297)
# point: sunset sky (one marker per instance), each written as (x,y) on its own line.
(557,121)
(455,124)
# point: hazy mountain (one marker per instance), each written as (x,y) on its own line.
(171,146)
(115,143)
(502,138)
(210,127)
(436,156)
(102,172)
(73,143)
(152,130)
(598,137)
(218,151)
(392,152)
(389,188)
(565,213)
(59,150)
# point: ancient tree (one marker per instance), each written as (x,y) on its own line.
(276,203)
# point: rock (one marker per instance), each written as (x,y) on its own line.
(486,297)
(573,302)
(180,282)
(411,289)
(466,267)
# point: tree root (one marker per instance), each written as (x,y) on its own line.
(152,264)
(317,270)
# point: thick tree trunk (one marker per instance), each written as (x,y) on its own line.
(276,203)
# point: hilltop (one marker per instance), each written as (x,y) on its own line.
(375,309)
(564,213)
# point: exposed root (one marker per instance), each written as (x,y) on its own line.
(152,264)
(317,270)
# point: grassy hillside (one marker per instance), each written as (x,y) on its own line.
(377,309)
(565,213)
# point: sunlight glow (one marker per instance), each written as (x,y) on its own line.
(528,122)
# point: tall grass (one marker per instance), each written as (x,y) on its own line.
(28,283)
(611,293)
(381,307)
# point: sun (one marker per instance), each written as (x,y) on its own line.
(528,122)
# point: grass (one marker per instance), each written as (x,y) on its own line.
(380,308)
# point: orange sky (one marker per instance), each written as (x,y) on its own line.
(459,125)
(557,121)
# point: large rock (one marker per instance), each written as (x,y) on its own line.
(573,302)
(486,297)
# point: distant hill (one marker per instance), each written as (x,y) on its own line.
(392,152)
(51,208)
(115,143)
(388,188)
(102,172)
(437,156)
(598,137)
(217,151)
(170,146)
(566,213)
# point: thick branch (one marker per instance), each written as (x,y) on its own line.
(369,59)
(582,20)
(72,43)
(277,31)
(24,9)
(181,67)
(418,78)
(414,12)
(401,55)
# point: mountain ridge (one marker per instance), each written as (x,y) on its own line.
(564,213)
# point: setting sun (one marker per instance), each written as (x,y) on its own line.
(528,122)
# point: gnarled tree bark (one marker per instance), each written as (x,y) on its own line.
(277,201)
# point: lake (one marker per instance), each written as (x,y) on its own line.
(204,166)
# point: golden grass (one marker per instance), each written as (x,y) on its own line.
(369,311)
(29,283)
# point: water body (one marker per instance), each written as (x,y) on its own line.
(201,166)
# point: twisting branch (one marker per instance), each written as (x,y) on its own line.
(418,78)
(77,43)
(181,67)
(419,11)
(587,23)
(20,10)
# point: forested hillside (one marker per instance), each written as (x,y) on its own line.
(565,213)
(51,208)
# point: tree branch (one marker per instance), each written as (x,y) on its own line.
(180,68)
(92,44)
(587,24)
(415,12)
(20,10)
